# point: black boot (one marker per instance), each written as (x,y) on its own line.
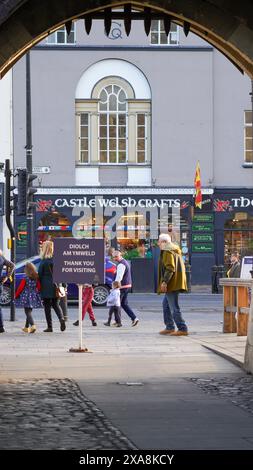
(63,326)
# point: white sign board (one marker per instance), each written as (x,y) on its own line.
(41,169)
(246,267)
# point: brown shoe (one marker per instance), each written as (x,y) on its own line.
(166,332)
(179,333)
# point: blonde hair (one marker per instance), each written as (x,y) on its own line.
(116,284)
(47,249)
(31,271)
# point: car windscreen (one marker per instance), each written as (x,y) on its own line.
(21,264)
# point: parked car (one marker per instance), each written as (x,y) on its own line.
(101,291)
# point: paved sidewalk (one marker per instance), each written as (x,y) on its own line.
(47,354)
(227,345)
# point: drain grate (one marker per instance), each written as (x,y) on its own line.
(131,384)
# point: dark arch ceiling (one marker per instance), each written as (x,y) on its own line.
(226,24)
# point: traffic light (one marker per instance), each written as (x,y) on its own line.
(30,192)
(25,191)
(12,198)
(22,192)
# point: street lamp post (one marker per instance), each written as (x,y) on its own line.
(12,241)
(30,210)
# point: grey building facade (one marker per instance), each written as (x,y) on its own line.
(131,116)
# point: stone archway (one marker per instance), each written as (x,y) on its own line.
(226,25)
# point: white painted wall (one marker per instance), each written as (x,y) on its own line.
(117,68)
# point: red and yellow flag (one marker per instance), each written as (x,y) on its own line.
(197,184)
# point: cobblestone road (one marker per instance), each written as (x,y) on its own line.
(238,390)
(54,414)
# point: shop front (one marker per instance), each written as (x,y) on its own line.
(233,212)
(129,219)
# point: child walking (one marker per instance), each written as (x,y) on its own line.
(88,294)
(27,296)
(113,301)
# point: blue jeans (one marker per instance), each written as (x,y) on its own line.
(171,312)
(124,303)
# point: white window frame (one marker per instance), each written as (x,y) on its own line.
(145,139)
(169,37)
(107,113)
(80,138)
(53,36)
(247,126)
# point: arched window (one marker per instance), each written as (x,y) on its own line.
(113,116)
(112,123)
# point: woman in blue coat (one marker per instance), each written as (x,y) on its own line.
(48,288)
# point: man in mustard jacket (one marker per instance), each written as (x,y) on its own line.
(171,281)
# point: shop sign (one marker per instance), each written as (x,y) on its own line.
(127,202)
(202,248)
(203,218)
(203,237)
(44,205)
(128,213)
(202,227)
(79,261)
(232,203)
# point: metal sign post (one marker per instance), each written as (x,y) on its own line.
(80,296)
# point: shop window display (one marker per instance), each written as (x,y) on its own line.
(134,236)
(137,249)
(238,235)
(52,225)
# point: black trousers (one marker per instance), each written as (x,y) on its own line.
(29,317)
(117,314)
(48,304)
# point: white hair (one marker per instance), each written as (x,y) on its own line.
(165,237)
(116,253)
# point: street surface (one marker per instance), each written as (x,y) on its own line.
(134,389)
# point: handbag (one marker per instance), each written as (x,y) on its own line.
(59,291)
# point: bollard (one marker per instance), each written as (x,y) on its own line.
(214,279)
(220,274)
(188,276)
